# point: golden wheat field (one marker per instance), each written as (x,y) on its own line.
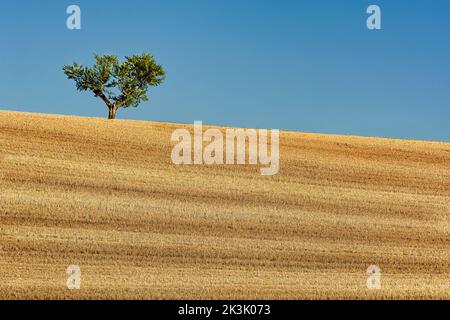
(104,195)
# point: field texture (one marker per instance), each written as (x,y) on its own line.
(104,195)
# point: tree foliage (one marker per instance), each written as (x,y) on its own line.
(118,84)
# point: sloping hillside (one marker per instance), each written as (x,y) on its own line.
(104,195)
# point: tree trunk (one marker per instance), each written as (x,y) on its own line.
(112,112)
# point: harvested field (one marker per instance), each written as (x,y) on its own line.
(104,195)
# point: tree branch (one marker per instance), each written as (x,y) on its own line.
(100,94)
(121,103)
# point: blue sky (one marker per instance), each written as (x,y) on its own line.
(297,65)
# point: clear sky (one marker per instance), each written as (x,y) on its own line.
(298,65)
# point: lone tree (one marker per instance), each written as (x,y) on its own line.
(118,84)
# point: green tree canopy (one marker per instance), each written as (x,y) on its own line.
(118,84)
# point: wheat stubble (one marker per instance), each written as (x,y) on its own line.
(104,195)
